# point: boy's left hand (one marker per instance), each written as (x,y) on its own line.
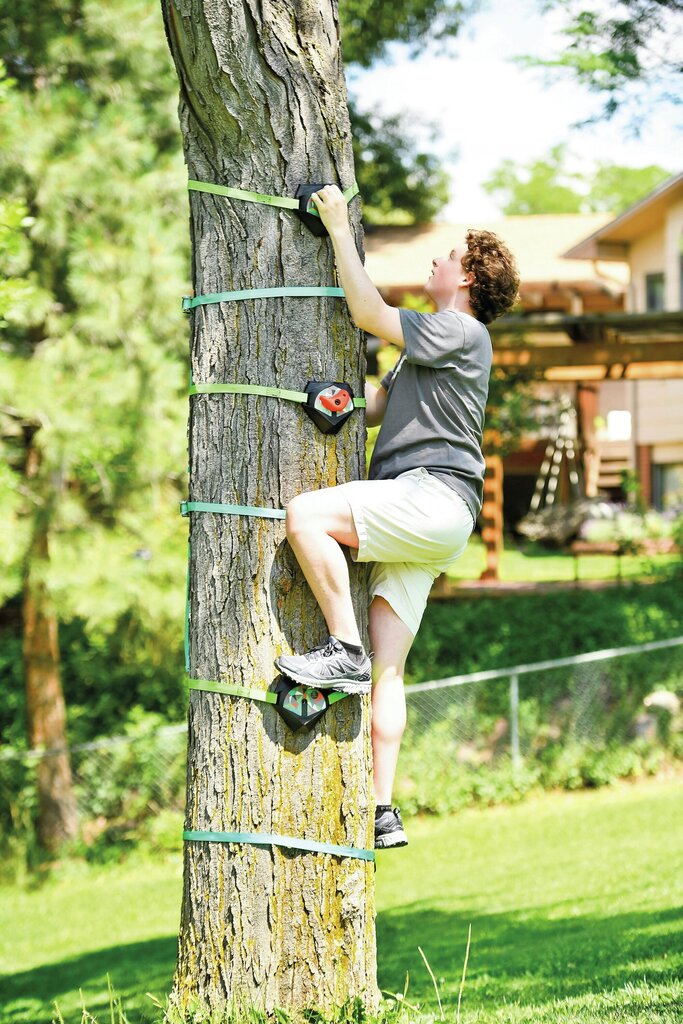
(333,209)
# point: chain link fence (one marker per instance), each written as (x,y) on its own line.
(481,738)
(117,783)
(569,722)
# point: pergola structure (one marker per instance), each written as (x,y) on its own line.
(581,350)
(606,346)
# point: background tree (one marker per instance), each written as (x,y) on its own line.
(621,51)
(87,342)
(369,28)
(543,186)
(402,185)
(549,185)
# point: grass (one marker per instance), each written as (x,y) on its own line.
(534,563)
(574,902)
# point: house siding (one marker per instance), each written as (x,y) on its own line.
(674,262)
(647,257)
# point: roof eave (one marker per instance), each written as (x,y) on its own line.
(595,247)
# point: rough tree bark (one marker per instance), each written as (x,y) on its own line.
(263,107)
(45,707)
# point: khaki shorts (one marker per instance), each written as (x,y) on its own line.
(413,528)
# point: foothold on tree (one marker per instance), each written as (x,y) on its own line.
(300,706)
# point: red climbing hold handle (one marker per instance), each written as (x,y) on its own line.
(336,402)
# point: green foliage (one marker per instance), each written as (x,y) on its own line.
(677,532)
(470,636)
(513,408)
(91,345)
(547,185)
(619,51)
(577,726)
(541,187)
(614,188)
(125,788)
(369,28)
(399,184)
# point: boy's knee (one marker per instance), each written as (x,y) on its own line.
(387,667)
(298,514)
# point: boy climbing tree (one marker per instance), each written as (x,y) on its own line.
(414,514)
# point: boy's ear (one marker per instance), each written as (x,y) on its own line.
(468,278)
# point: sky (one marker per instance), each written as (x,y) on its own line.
(487,109)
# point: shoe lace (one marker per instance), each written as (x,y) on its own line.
(328,649)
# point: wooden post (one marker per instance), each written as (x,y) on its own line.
(492,516)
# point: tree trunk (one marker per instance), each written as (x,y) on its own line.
(45,707)
(263,108)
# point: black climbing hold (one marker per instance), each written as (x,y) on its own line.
(330,403)
(300,705)
(311,220)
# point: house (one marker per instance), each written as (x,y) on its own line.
(640,420)
(583,279)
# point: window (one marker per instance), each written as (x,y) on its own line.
(667,489)
(654,293)
(618,425)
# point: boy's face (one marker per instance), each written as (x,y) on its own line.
(448,276)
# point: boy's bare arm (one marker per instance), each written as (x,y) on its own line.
(376,399)
(369,310)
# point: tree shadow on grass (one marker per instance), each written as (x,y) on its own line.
(524,956)
(520,956)
(28,997)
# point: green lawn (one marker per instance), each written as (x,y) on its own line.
(533,563)
(574,900)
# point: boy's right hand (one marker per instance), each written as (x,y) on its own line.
(333,209)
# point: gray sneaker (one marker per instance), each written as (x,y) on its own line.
(329,667)
(389,829)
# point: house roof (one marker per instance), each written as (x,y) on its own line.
(610,241)
(401,257)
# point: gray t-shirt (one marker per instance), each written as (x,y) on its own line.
(437,396)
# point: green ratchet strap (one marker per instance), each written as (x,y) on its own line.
(190,301)
(266,696)
(267,839)
(256,389)
(209,686)
(259,197)
(231,510)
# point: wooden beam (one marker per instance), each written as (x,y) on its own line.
(622,323)
(606,355)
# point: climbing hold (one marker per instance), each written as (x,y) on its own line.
(302,706)
(329,404)
(307,211)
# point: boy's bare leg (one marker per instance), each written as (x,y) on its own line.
(391,640)
(317,523)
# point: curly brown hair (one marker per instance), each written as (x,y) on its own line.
(496,277)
